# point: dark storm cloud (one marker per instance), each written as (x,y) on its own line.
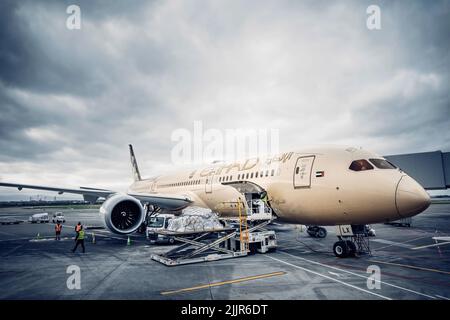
(71,100)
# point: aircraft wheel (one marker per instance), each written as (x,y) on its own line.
(321,233)
(351,248)
(340,249)
(171,240)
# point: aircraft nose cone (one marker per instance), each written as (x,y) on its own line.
(410,197)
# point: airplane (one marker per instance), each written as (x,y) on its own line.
(323,186)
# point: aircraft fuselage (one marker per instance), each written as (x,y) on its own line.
(317,186)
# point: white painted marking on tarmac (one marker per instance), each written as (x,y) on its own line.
(441,297)
(358,275)
(441,238)
(330,278)
(393,243)
(7,233)
(431,245)
(411,240)
(334,274)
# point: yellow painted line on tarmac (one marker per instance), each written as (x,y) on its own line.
(411,267)
(221,283)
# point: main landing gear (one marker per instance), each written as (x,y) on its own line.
(353,240)
(316,231)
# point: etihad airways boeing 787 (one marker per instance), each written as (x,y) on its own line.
(317,186)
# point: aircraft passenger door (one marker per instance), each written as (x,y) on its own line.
(302,172)
(208,184)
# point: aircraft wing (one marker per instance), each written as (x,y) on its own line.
(83,190)
(168,201)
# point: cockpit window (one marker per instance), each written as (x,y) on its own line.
(360,165)
(382,164)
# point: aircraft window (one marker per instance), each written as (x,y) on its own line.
(272,172)
(382,164)
(360,165)
(261,174)
(251,175)
(297,170)
(246,176)
(267,173)
(256,174)
(231,177)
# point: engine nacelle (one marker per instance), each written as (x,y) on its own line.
(123,214)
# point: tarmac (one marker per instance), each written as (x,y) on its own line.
(412,264)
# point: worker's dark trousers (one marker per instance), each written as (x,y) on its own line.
(58,235)
(76,245)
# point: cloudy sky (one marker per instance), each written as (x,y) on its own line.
(71,100)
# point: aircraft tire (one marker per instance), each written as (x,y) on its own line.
(340,249)
(321,233)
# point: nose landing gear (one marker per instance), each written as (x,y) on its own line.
(353,240)
(344,248)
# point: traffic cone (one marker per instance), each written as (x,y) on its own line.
(93,238)
(129,241)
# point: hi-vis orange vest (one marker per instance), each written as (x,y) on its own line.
(78,228)
(58,228)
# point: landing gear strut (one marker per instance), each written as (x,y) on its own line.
(316,231)
(353,240)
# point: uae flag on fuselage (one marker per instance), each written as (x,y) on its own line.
(320,174)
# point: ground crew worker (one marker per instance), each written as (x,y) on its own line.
(58,228)
(78,227)
(79,239)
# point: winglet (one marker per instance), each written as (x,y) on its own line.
(134,166)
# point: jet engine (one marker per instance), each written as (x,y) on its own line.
(122,213)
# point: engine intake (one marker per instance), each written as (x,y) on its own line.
(123,214)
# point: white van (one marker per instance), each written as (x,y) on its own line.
(58,217)
(156,223)
(39,217)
